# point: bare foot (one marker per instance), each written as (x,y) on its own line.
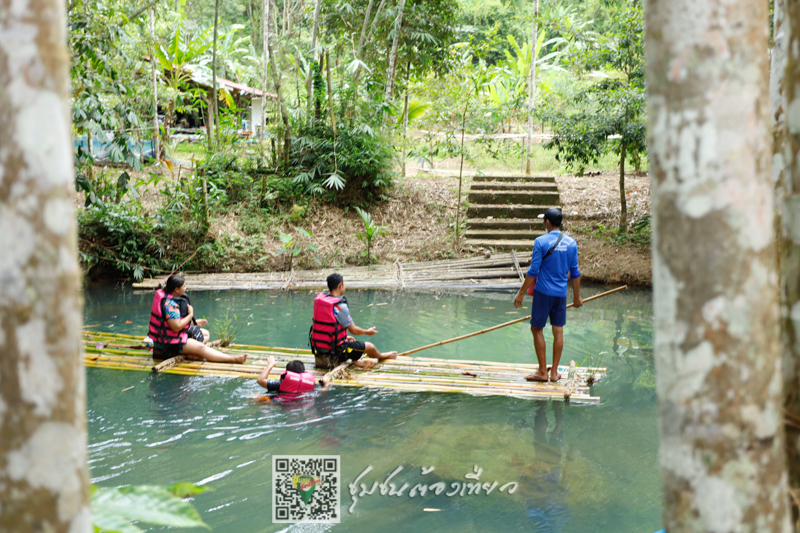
(538,376)
(554,376)
(388,355)
(240,358)
(363,364)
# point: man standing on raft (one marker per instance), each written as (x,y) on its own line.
(329,340)
(555,255)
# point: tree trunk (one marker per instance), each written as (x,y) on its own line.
(276,75)
(311,71)
(215,98)
(44,482)
(532,87)
(363,41)
(156,147)
(405,117)
(790,233)
(623,202)
(392,70)
(460,176)
(266,22)
(718,366)
(330,94)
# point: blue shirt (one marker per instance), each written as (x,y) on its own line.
(552,273)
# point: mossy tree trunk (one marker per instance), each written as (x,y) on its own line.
(789,235)
(718,364)
(44,483)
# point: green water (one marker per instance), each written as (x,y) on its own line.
(578,467)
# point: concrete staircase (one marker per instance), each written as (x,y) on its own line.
(503,211)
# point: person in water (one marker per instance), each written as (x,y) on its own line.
(329,340)
(294,381)
(170,332)
(554,261)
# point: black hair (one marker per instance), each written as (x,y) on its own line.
(175,281)
(554,216)
(296,366)
(334,280)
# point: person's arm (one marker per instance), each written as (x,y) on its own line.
(355,330)
(178,324)
(263,379)
(522,290)
(577,301)
(325,382)
(575,274)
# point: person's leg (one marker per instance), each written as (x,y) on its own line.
(558,346)
(206,335)
(193,347)
(541,355)
(373,352)
(558,318)
(539,309)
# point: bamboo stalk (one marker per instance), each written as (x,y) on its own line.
(160,367)
(517,321)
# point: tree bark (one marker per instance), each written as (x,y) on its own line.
(623,203)
(44,483)
(405,117)
(314,33)
(718,366)
(789,197)
(266,22)
(532,87)
(156,147)
(276,75)
(330,94)
(392,67)
(362,42)
(215,98)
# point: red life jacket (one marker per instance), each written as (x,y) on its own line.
(326,335)
(160,331)
(293,382)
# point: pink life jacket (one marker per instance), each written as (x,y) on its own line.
(326,335)
(160,331)
(293,382)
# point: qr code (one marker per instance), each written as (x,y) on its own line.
(305,488)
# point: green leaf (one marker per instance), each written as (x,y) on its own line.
(304,232)
(313,246)
(296,252)
(151,504)
(186,489)
(285,238)
(317,260)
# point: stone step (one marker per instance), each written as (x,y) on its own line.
(536,224)
(520,246)
(550,179)
(513,186)
(513,211)
(502,234)
(514,197)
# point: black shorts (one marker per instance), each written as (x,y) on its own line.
(350,350)
(196,333)
(166,351)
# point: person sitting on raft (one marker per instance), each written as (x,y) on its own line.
(294,381)
(170,332)
(330,343)
(196,330)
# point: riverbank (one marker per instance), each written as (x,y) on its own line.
(418,218)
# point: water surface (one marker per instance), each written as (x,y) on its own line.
(577,467)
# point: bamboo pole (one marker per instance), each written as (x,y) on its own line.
(517,321)
(172,361)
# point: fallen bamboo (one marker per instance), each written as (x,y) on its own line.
(172,361)
(517,321)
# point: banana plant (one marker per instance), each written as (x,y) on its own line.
(294,248)
(371,231)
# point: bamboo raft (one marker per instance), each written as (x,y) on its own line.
(408,374)
(501,271)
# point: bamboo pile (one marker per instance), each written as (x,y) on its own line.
(501,271)
(408,374)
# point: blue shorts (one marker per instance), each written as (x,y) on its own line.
(544,306)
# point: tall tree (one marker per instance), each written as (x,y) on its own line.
(153,71)
(392,67)
(532,87)
(265,73)
(214,93)
(789,236)
(718,363)
(276,76)
(44,484)
(314,51)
